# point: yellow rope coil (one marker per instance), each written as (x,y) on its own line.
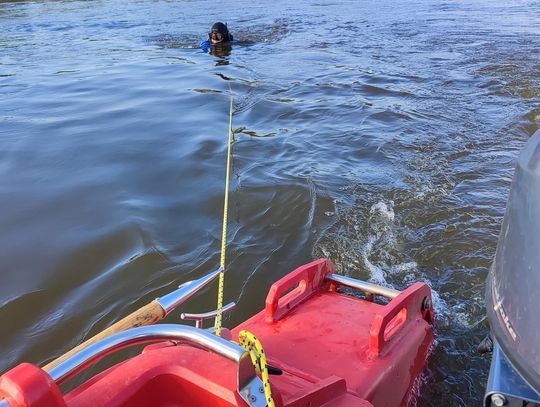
(251,344)
(217,325)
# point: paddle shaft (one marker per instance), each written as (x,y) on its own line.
(146,315)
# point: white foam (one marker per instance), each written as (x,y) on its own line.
(381,218)
(447,315)
(403,267)
(382,211)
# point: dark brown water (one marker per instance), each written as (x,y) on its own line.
(380,134)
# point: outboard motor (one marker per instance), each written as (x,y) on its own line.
(513,291)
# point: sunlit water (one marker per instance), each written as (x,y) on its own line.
(382,135)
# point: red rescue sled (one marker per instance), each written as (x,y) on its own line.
(327,340)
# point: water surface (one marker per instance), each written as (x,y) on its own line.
(382,135)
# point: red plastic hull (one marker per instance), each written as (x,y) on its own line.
(316,335)
(334,349)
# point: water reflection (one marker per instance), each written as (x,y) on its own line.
(221,50)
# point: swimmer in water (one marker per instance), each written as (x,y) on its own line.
(219,39)
(219,34)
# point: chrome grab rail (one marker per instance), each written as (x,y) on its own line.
(248,383)
(199,318)
(364,286)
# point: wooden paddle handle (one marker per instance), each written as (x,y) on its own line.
(146,315)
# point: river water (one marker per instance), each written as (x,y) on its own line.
(380,134)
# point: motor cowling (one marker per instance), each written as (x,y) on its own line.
(513,285)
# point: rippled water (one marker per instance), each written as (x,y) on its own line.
(380,134)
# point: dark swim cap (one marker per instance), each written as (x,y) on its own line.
(223,30)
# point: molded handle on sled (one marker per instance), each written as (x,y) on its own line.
(295,288)
(412,304)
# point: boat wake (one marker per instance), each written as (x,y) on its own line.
(370,246)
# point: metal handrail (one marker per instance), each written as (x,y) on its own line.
(364,286)
(248,383)
(199,318)
(140,335)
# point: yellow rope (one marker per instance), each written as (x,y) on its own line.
(258,358)
(217,325)
(246,338)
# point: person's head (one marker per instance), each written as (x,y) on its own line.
(219,34)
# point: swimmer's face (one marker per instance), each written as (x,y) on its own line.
(216,37)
